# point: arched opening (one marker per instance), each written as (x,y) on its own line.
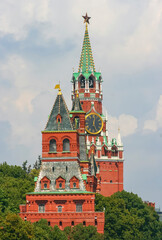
(45,186)
(66,168)
(82,82)
(60,223)
(60,185)
(53,169)
(72,223)
(52,146)
(91,82)
(74,185)
(59,209)
(66,145)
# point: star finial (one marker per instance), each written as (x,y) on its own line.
(86,18)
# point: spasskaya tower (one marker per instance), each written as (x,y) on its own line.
(108,153)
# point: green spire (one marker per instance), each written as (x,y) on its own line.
(86,60)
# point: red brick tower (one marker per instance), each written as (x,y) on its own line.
(63,195)
(108,153)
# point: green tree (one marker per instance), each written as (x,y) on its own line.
(44,232)
(127,217)
(80,232)
(12,227)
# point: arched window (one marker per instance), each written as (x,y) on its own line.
(60,223)
(66,145)
(82,82)
(60,185)
(52,147)
(74,185)
(59,208)
(53,169)
(45,185)
(91,82)
(72,223)
(66,168)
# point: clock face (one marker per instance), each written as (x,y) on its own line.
(94,123)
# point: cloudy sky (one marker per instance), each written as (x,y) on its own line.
(40,44)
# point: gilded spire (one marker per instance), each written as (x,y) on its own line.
(86,60)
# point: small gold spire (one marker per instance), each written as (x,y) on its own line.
(58,87)
(76,92)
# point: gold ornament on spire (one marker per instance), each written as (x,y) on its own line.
(58,87)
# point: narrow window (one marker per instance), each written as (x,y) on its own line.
(82,82)
(60,209)
(60,223)
(66,145)
(52,147)
(78,207)
(49,223)
(95,222)
(91,82)
(84,223)
(74,185)
(110,181)
(53,169)
(72,223)
(41,208)
(66,168)
(45,185)
(60,185)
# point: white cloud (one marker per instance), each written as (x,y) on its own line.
(153,125)
(128,125)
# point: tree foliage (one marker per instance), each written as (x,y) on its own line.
(80,232)
(127,217)
(15,183)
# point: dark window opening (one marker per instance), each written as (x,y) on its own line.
(110,181)
(95,222)
(60,185)
(45,185)
(72,223)
(84,223)
(49,223)
(74,185)
(82,82)
(91,82)
(66,168)
(52,147)
(66,145)
(53,169)
(60,223)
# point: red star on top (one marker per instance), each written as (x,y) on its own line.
(86,18)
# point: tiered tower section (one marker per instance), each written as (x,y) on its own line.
(108,152)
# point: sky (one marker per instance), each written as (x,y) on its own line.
(40,44)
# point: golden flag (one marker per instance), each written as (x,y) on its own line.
(57,86)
